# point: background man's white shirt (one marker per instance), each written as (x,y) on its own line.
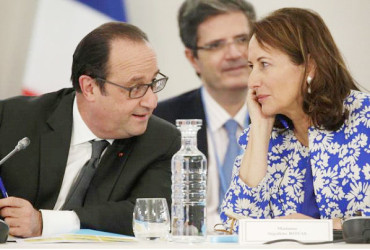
(217,116)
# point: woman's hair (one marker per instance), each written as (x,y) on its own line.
(303,36)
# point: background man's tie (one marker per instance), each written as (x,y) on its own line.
(232,151)
(76,195)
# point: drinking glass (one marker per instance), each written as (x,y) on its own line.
(151,219)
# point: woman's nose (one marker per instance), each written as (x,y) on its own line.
(254,79)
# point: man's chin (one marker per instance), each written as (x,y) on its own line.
(237,87)
(139,130)
(236,84)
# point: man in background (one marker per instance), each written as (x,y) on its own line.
(216,35)
(95,148)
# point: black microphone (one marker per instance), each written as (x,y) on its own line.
(22,144)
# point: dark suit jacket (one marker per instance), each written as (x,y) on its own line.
(36,173)
(186,106)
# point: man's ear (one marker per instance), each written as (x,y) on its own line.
(88,87)
(192,59)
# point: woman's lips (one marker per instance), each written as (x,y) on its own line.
(261,98)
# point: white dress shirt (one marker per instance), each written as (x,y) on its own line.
(55,221)
(216,117)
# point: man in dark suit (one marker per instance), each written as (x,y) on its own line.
(216,35)
(115,77)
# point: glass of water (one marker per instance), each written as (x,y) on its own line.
(151,219)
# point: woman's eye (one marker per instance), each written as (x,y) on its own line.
(265,64)
(250,66)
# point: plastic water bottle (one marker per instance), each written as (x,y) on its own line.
(189,177)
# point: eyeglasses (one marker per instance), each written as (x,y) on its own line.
(240,42)
(220,228)
(140,90)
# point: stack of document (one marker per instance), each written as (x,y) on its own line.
(80,236)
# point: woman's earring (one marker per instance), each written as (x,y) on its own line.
(309,80)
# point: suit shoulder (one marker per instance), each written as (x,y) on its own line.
(182,99)
(160,132)
(184,106)
(159,125)
(29,107)
(30,102)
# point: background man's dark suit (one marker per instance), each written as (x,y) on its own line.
(186,106)
(130,168)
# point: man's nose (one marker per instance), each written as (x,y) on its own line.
(150,99)
(233,51)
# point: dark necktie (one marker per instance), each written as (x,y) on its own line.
(76,195)
(231,153)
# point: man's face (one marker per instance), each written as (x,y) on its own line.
(116,115)
(225,68)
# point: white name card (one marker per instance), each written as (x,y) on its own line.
(262,230)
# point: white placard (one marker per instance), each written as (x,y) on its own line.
(262,230)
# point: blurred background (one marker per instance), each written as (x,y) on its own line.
(38,38)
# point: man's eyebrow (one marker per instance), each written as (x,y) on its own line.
(223,39)
(155,74)
(135,79)
(214,41)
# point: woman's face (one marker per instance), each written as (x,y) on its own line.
(275,79)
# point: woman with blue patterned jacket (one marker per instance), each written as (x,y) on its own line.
(307,152)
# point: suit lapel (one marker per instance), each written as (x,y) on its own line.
(54,149)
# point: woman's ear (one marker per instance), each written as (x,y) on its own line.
(311,67)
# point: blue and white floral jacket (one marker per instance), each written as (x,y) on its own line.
(340,162)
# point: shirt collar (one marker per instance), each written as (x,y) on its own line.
(80,131)
(217,115)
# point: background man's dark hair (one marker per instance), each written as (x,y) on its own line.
(92,53)
(194,12)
